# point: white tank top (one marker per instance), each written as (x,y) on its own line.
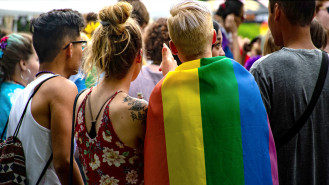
(36,139)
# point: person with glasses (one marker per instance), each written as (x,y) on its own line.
(322,16)
(47,125)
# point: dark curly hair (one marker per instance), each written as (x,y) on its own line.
(156,35)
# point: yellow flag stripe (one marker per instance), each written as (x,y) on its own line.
(183,132)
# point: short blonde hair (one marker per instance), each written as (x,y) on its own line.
(115,44)
(191,28)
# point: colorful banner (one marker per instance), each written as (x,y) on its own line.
(207,125)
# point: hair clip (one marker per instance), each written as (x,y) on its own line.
(3,45)
(223,5)
(105,23)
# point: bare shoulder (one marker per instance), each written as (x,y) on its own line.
(82,96)
(60,86)
(135,108)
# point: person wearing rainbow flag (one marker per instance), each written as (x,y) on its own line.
(206,122)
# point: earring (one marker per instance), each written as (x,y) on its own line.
(27,77)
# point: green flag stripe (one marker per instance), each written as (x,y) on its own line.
(221,122)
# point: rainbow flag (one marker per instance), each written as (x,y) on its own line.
(207,125)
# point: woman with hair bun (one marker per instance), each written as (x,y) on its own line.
(18,65)
(110,125)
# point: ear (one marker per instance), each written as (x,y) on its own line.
(69,51)
(22,65)
(173,48)
(214,37)
(277,11)
(139,56)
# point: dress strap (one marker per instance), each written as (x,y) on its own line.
(92,133)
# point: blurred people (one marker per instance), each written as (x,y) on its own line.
(318,35)
(46,127)
(91,24)
(204,115)
(18,65)
(322,15)
(269,45)
(217,49)
(287,81)
(156,34)
(231,14)
(110,125)
(254,50)
(140,13)
(4,32)
(87,80)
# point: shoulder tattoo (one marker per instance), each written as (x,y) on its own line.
(137,109)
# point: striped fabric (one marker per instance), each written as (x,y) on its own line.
(207,124)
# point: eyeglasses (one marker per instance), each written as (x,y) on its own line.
(325,8)
(83,44)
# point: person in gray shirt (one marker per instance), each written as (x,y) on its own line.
(286,79)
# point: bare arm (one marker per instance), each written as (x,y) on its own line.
(61,108)
(232,27)
(138,111)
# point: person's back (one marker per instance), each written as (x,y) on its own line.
(206,122)
(287,80)
(110,125)
(35,139)
(46,127)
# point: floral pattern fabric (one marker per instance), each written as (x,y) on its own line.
(105,159)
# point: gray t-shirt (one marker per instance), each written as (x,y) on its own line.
(286,80)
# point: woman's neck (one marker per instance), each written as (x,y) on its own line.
(18,80)
(113,85)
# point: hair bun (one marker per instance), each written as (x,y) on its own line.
(116,16)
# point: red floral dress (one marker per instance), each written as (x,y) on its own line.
(105,159)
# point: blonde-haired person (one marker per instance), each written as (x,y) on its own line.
(204,114)
(110,125)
